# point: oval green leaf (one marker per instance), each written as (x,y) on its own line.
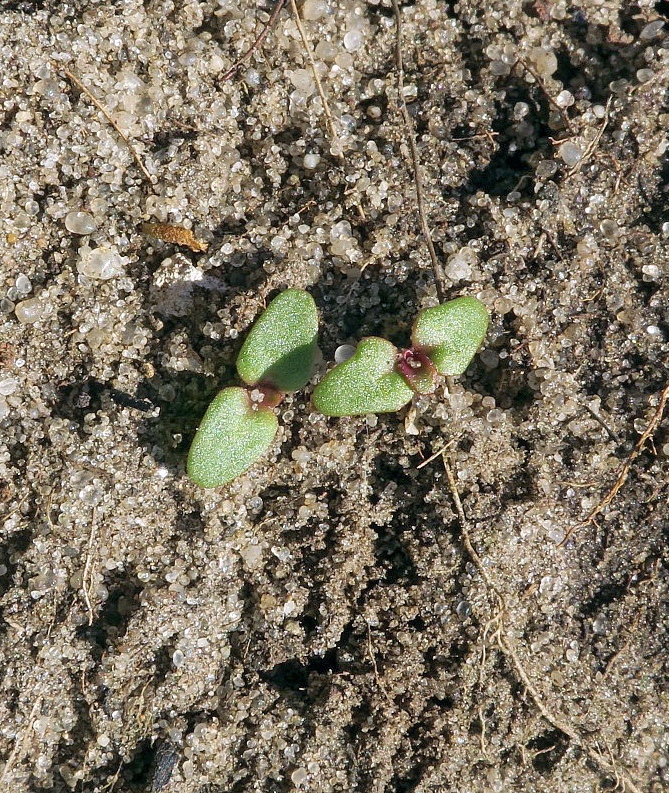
(232,435)
(366,383)
(281,346)
(450,334)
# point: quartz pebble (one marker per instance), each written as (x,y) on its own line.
(29,311)
(545,60)
(344,352)
(101,263)
(353,40)
(8,385)
(303,80)
(299,776)
(314,9)
(651,30)
(80,223)
(23,285)
(571,153)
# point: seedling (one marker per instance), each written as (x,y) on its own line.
(379,378)
(276,358)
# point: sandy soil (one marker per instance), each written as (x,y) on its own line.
(331,621)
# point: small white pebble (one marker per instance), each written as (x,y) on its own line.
(570,153)
(599,625)
(325,50)
(344,352)
(23,285)
(564,99)
(29,311)
(8,385)
(458,268)
(353,40)
(80,223)
(499,68)
(651,30)
(314,9)
(651,272)
(101,263)
(252,77)
(545,60)
(303,80)
(610,229)
(311,160)
(340,230)
(299,776)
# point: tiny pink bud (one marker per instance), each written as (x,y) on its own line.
(418,370)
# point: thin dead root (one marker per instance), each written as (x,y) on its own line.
(489,134)
(439,277)
(601,422)
(112,782)
(86,578)
(546,93)
(257,43)
(621,650)
(17,508)
(466,541)
(435,455)
(558,723)
(82,87)
(626,466)
(377,676)
(314,71)
(507,648)
(594,143)
(329,118)
(18,752)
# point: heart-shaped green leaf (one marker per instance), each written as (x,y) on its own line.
(450,334)
(281,346)
(233,434)
(366,383)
